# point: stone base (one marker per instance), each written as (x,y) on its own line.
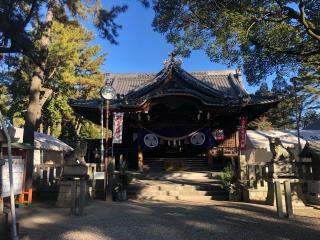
(313,194)
(76,170)
(66,191)
(253,195)
(297,195)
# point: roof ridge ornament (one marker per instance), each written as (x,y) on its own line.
(172,59)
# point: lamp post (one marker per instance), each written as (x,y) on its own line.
(107,93)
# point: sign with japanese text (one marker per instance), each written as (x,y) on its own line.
(18,173)
(117,127)
(242,133)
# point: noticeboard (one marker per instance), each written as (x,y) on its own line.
(18,174)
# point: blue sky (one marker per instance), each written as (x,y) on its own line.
(141,49)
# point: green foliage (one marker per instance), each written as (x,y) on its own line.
(261,123)
(262,36)
(4,99)
(124,178)
(90,131)
(227,176)
(309,117)
(17,16)
(295,103)
(72,71)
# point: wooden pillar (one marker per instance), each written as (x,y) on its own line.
(140,158)
(209,159)
(1,205)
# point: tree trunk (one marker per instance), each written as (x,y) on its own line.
(33,115)
(78,126)
(298,116)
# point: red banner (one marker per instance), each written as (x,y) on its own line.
(242,133)
(117,127)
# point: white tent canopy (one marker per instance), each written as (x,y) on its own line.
(43,141)
(260,139)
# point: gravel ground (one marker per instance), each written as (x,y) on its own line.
(169,221)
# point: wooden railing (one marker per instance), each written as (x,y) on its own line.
(224,151)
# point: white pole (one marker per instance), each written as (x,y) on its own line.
(13,209)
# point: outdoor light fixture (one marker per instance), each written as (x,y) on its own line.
(107,93)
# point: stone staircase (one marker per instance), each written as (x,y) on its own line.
(189,186)
(193,164)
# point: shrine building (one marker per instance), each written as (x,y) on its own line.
(177,120)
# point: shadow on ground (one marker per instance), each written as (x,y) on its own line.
(150,220)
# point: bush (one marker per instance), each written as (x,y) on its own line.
(227,176)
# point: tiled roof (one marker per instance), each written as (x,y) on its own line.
(215,88)
(123,83)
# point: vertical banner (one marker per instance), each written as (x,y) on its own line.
(117,127)
(242,133)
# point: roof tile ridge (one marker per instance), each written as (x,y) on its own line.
(132,73)
(239,84)
(214,72)
(204,85)
(159,76)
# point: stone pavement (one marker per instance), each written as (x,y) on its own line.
(169,221)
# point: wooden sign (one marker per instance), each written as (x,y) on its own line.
(18,174)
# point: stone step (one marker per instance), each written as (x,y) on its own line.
(197,186)
(176,187)
(174,198)
(152,192)
(180,174)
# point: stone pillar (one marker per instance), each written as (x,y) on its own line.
(110,179)
(288,199)
(279,199)
(242,167)
(78,196)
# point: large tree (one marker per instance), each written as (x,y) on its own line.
(72,71)
(263,36)
(295,110)
(18,17)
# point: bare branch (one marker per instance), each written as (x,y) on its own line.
(307,24)
(31,12)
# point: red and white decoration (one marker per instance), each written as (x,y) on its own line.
(218,134)
(117,127)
